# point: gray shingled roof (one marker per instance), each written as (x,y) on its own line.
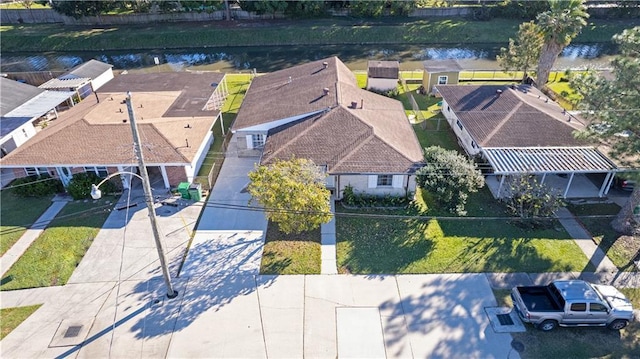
(372,137)
(519,117)
(15,94)
(445,65)
(383,69)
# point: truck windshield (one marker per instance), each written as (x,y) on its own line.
(557,295)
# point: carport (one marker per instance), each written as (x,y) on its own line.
(544,161)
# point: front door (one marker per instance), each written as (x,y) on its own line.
(64,173)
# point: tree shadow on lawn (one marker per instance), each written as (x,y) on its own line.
(454,245)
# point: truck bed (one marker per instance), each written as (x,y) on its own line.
(539,299)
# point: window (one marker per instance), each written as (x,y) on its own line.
(385,180)
(36,171)
(448,108)
(579,307)
(257,141)
(459,124)
(24,132)
(473,144)
(442,80)
(597,307)
(100,171)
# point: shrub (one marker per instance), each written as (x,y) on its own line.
(80,185)
(531,200)
(350,198)
(37,186)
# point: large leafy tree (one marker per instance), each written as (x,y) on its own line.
(293,194)
(78,9)
(561,24)
(613,108)
(449,177)
(523,51)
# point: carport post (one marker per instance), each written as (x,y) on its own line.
(604,189)
(566,191)
(149,200)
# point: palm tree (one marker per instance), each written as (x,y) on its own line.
(559,26)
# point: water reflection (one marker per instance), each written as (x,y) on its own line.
(266,59)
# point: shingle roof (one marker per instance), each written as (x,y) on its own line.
(373,136)
(94,133)
(383,69)
(446,65)
(514,117)
(90,69)
(14,94)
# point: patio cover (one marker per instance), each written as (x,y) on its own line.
(541,160)
(34,108)
(71,83)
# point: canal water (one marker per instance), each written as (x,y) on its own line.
(272,58)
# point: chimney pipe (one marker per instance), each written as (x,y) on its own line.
(361,103)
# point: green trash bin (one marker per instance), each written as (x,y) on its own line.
(183,189)
(195,191)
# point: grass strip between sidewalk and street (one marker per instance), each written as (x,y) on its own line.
(578,342)
(54,255)
(325,31)
(13,317)
(291,253)
(18,214)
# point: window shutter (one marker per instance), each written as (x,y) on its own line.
(373,181)
(397,181)
(249,141)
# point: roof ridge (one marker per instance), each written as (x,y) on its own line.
(502,122)
(294,138)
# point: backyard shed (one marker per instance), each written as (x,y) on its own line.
(440,72)
(382,75)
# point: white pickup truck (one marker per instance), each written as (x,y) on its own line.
(572,303)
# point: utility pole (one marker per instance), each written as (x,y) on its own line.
(146,185)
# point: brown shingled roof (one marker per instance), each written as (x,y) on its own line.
(95,133)
(501,116)
(358,131)
(383,69)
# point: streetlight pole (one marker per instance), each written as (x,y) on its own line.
(146,185)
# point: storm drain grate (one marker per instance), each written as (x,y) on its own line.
(73,331)
(504,319)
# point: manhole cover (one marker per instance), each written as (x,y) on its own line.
(504,319)
(73,331)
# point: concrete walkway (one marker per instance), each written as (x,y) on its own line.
(30,235)
(328,244)
(584,240)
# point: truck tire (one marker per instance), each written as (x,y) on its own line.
(618,324)
(548,325)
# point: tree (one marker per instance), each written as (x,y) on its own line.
(561,24)
(524,51)
(78,9)
(449,177)
(613,109)
(529,199)
(293,194)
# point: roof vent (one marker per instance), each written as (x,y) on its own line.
(325,64)
(325,91)
(289,79)
(498,92)
(354,104)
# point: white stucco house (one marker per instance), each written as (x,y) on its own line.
(316,111)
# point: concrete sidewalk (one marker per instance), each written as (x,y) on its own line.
(30,235)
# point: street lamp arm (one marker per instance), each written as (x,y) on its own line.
(96,193)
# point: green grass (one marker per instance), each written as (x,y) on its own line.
(20,6)
(52,257)
(291,253)
(237,85)
(17,214)
(386,243)
(331,31)
(13,317)
(622,250)
(579,342)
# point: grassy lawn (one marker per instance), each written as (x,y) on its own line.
(13,317)
(237,85)
(291,253)
(52,258)
(327,31)
(17,214)
(579,342)
(622,250)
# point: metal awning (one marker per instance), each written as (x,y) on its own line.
(541,160)
(71,83)
(32,109)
